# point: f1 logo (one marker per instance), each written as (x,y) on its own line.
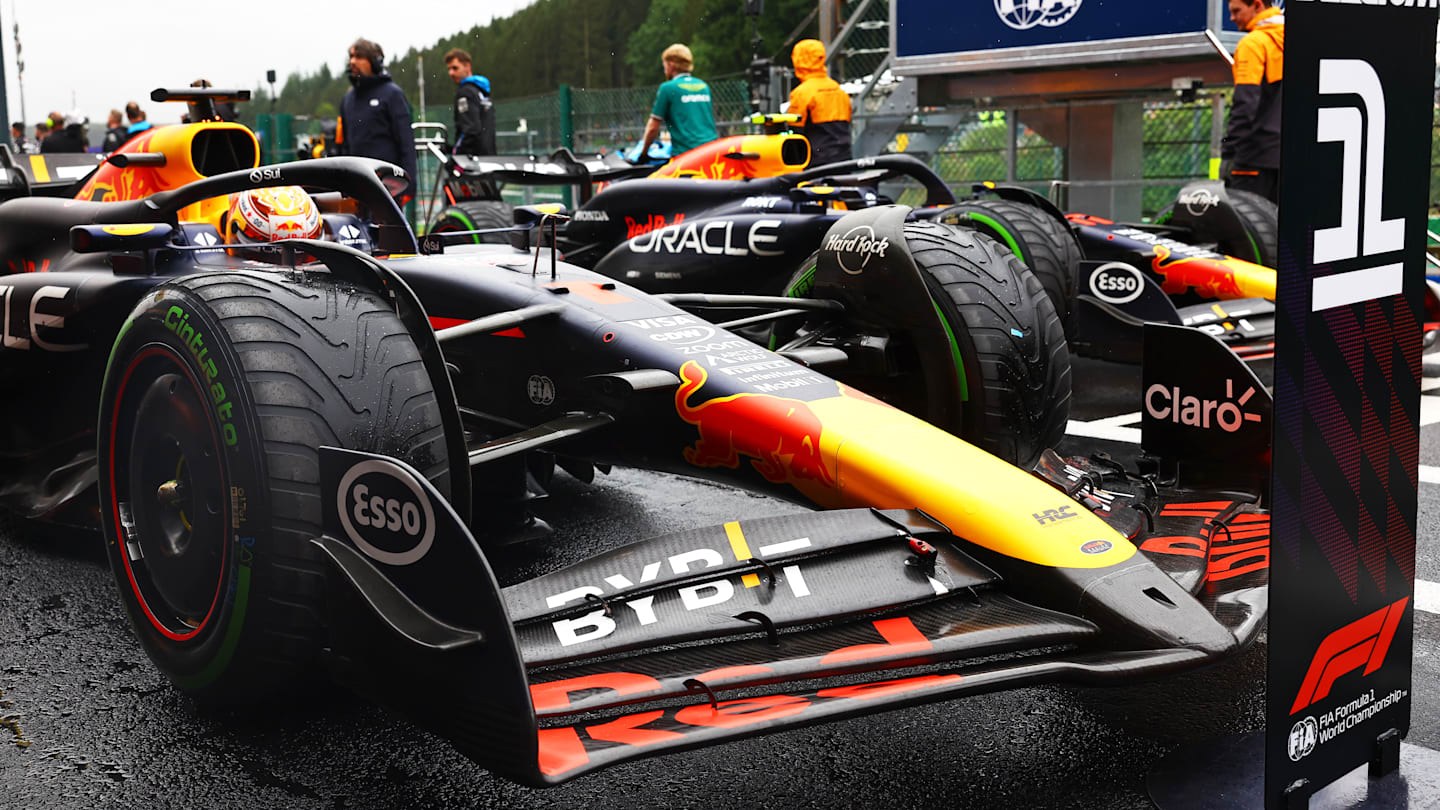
(1361,131)
(1364,641)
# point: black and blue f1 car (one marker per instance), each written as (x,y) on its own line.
(298,464)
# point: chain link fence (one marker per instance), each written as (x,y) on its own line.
(1176,149)
(868,44)
(1177,140)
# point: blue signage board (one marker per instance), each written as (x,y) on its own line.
(930,27)
(929,36)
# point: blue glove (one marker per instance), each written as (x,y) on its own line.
(632,154)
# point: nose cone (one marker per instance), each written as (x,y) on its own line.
(1137,602)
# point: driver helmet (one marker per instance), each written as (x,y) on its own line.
(261,215)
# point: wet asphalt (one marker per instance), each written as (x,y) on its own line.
(87,722)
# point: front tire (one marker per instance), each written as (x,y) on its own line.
(1007,341)
(220,389)
(1261,219)
(1007,335)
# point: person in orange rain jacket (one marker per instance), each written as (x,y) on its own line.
(824,108)
(1252,138)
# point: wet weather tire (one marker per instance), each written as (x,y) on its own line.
(1261,219)
(1010,343)
(1042,241)
(477,215)
(220,389)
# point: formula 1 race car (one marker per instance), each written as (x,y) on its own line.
(297,464)
(757,233)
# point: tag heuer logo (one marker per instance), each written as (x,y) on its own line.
(1023,15)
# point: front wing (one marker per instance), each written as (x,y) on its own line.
(759,625)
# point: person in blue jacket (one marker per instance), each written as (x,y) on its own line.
(474,114)
(374,115)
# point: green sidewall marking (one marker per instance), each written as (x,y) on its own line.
(954,352)
(221,661)
(1004,233)
(805,282)
(124,327)
(469,224)
(1255,248)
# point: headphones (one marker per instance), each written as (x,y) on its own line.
(377,63)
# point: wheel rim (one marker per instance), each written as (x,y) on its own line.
(168,493)
(452,223)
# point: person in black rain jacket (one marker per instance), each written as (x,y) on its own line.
(374,115)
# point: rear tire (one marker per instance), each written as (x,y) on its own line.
(220,389)
(1042,242)
(477,215)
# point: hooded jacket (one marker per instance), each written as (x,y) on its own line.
(375,123)
(1252,137)
(824,108)
(474,117)
(66,139)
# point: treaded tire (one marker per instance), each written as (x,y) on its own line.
(477,215)
(1262,222)
(1259,216)
(1044,243)
(246,375)
(1019,384)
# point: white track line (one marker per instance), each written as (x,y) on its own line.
(1114,428)
(1427,596)
(1105,429)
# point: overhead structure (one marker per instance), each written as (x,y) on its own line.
(1076,71)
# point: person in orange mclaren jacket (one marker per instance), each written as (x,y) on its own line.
(1252,138)
(824,108)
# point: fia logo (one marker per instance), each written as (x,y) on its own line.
(1362,232)
(1303,736)
(1023,15)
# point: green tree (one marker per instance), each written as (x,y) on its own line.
(589,44)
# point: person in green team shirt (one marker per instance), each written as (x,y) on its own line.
(682,104)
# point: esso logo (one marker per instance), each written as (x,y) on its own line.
(1116,283)
(385,512)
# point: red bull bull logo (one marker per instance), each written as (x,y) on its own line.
(1212,275)
(780,435)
